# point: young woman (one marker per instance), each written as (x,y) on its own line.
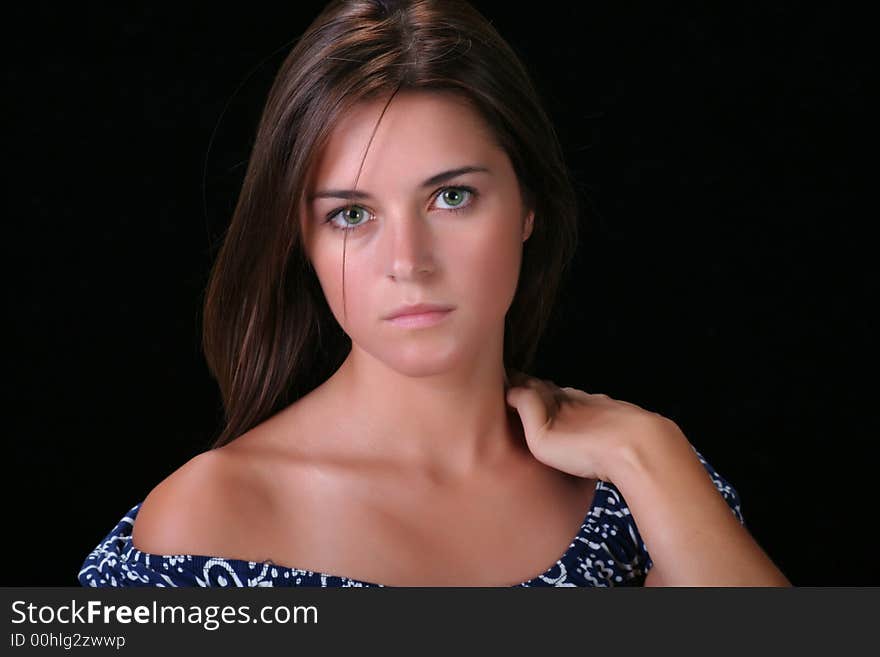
(403,227)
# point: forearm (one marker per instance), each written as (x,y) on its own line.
(689,530)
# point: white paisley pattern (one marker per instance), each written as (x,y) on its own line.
(607,551)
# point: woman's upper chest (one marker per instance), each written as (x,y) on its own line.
(372,525)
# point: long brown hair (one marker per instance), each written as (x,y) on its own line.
(269,336)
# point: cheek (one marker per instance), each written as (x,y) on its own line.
(488,266)
(327,261)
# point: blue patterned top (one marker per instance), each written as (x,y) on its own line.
(607,551)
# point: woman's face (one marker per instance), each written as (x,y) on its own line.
(412,241)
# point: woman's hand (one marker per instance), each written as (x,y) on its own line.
(580,433)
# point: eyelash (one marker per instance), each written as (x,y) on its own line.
(470,190)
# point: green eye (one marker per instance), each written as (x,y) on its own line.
(457,198)
(452,196)
(352,215)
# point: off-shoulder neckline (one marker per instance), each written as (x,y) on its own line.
(140,554)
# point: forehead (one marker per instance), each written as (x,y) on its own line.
(420,134)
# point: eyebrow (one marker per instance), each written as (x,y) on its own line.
(353,194)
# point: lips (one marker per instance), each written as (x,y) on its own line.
(418,308)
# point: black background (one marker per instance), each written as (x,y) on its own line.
(722,278)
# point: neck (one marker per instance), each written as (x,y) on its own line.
(447,425)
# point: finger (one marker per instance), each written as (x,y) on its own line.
(559,394)
(576,393)
(531,404)
(550,393)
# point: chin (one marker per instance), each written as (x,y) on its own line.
(420,359)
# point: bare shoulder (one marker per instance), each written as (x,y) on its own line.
(194,509)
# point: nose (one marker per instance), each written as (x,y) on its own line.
(409,247)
